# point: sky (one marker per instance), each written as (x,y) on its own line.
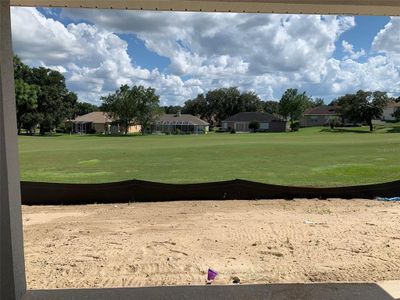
(183,54)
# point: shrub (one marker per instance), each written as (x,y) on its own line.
(254,126)
(295,126)
(60,130)
(68,128)
(233,130)
(334,122)
(221,129)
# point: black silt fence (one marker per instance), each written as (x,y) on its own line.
(38,193)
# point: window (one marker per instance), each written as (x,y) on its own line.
(242,126)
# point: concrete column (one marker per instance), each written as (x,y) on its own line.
(12,268)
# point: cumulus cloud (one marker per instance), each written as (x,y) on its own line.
(387,41)
(35,36)
(263,53)
(348,49)
(218,44)
(95,61)
(377,73)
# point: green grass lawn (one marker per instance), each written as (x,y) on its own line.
(310,157)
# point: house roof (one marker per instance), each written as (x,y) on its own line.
(393,104)
(323,110)
(180,119)
(252,116)
(94,117)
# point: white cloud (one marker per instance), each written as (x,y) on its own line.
(95,61)
(350,53)
(377,73)
(387,41)
(209,43)
(35,35)
(263,53)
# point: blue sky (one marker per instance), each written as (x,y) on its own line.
(362,35)
(143,56)
(183,54)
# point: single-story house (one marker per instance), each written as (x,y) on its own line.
(319,116)
(179,123)
(389,110)
(100,123)
(268,122)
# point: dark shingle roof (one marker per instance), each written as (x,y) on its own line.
(323,110)
(180,119)
(252,116)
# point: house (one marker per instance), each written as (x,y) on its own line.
(319,116)
(100,123)
(389,110)
(179,123)
(268,122)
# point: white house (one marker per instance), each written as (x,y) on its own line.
(389,110)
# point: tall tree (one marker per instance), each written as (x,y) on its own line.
(83,108)
(43,97)
(122,105)
(148,105)
(136,104)
(26,100)
(70,103)
(271,107)
(363,106)
(198,107)
(50,99)
(315,102)
(292,105)
(396,114)
(21,70)
(250,102)
(171,109)
(222,103)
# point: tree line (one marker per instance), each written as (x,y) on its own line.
(219,104)
(43,100)
(359,108)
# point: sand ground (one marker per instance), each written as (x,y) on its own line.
(174,243)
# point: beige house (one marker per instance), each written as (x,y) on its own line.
(99,123)
(388,111)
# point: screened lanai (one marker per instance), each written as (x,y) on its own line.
(179,124)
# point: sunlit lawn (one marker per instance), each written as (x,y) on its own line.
(311,157)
